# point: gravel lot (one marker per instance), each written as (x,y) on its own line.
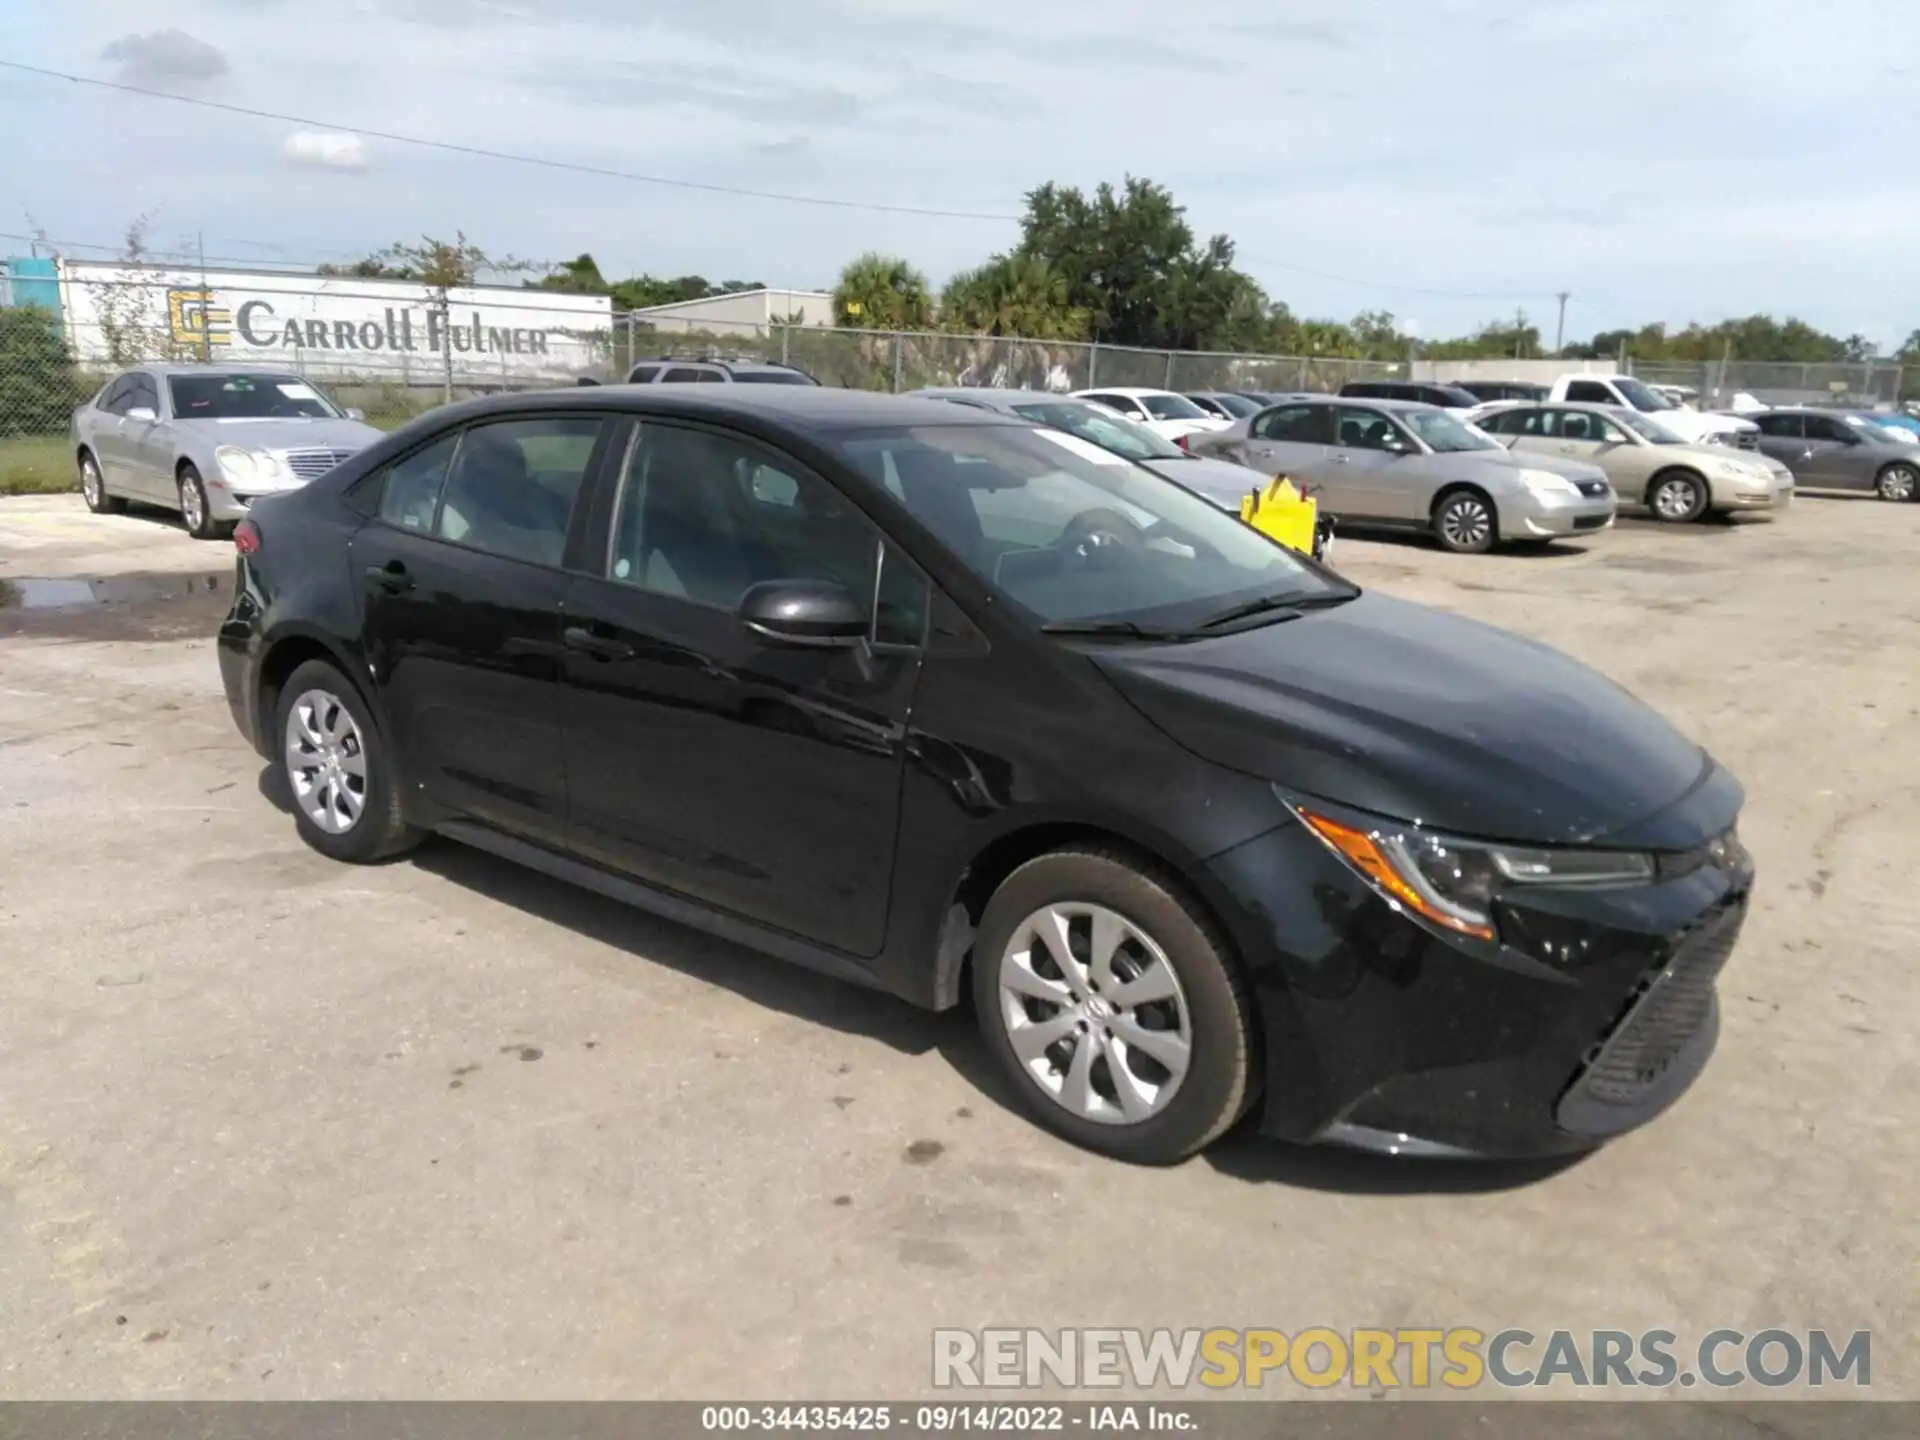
(272,1127)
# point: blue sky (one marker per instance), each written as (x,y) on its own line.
(1447,160)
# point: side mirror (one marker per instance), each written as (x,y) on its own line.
(356,415)
(142,412)
(814,614)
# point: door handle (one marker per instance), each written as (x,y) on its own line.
(1337,460)
(391,577)
(601,647)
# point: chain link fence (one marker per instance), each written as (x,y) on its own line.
(395,352)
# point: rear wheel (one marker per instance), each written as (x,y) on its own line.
(346,796)
(1464,522)
(194,509)
(1899,482)
(1678,498)
(93,487)
(1113,1007)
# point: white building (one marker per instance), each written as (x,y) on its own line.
(744,311)
(337,326)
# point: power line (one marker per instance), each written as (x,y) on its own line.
(542,161)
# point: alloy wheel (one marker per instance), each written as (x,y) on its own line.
(192,505)
(90,487)
(326,761)
(1674,499)
(1466,523)
(1095,1013)
(1898,482)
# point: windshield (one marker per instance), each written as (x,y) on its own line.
(1172,407)
(1105,429)
(1640,397)
(1237,406)
(1876,427)
(1067,531)
(1445,431)
(247,397)
(1651,430)
(771,377)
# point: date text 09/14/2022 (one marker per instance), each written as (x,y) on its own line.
(951,1419)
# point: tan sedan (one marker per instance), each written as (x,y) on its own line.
(1648,464)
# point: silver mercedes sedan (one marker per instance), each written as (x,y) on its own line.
(1397,463)
(208,440)
(1224,483)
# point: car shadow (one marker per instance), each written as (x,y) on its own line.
(818,999)
(759,978)
(1247,1155)
(1406,539)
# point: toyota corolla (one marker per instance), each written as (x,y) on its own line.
(945,702)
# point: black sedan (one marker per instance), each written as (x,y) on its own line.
(929,698)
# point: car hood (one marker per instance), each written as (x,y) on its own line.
(1417,714)
(284,434)
(1220,481)
(1698,424)
(1552,464)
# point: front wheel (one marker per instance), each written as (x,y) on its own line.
(1677,499)
(1464,523)
(1113,1007)
(1897,482)
(346,796)
(195,512)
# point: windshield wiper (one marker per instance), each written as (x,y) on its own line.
(1296,601)
(1128,628)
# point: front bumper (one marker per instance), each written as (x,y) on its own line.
(1535,517)
(1593,1014)
(1750,495)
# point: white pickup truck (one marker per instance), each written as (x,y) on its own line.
(1693,426)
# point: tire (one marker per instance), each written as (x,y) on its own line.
(320,716)
(93,488)
(1898,482)
(195,512)
(1163,938)
(1678,497)
(1465,522)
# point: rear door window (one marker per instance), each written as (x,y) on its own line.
(511,489)
(410,488)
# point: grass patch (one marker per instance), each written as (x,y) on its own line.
(37,465)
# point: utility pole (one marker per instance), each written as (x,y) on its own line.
(1560,330)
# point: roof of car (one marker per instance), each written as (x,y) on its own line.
(158,367)
(1123,390)
(809,407)
(991,395)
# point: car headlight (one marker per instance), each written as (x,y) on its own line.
(1451,882)
(243,467)
(1546,484)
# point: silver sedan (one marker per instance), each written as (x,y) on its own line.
(1396,463)
(207,440)
(1224,483)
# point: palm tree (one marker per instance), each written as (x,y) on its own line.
(1013,295)
(882,292)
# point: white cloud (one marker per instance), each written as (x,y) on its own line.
(327,151)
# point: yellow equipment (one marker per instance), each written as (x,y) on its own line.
(1282,513)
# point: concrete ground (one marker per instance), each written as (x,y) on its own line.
(272,1127)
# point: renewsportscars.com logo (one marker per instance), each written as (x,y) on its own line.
(1459,1358)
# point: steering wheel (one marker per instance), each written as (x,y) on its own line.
(1100,533)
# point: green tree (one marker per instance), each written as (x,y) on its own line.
(1130,261)
(1017,295)
(578,276)
(882,292)
(38,386)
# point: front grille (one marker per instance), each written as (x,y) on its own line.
(1589,522)
(312,464)
(1666,1011)
(1747,440)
